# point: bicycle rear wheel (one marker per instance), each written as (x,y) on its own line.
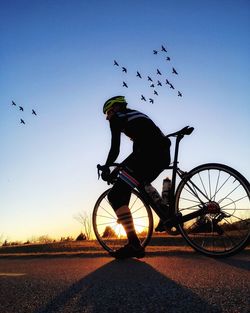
(224,194)
(110,233)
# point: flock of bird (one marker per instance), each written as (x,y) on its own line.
(153,83)
(22,109)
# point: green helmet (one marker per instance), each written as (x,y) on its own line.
(112,101)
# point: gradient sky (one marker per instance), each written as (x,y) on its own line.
(57,58)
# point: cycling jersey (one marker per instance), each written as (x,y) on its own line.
(139,128)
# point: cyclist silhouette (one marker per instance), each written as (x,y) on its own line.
(150,156)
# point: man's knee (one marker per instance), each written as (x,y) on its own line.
(119,195)
(112,198)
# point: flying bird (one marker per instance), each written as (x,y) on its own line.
(158,72)
(138,74)
(167,82)
(163,48)
(152,85)
(143,98)
(13,103)
(155,51)
(159,83)
(179,94)
(150,79)
(20,108)
(155,92)
(151,100)
(125,85)
(174,71)
(168,58)
(124,69)
(22,121)
(34,112)
(171,86)
(115,63)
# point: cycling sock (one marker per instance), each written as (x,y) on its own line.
(125,217)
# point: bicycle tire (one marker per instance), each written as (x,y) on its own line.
(109,233)
(225,228)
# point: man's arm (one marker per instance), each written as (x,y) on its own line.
(115,144)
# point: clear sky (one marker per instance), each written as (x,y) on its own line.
(57,58)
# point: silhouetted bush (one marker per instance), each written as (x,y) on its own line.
(109,233)
(81,237)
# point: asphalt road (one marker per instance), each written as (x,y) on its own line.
(173,282)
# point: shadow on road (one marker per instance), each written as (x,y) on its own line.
(236,262)
(127,286)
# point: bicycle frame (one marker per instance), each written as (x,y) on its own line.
(160,211)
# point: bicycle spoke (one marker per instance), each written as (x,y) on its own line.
(209,183)
(229,194)
(108,212)
(190,200)
(216,187)
(133,203)
(223,184)
(203,184)
(141,207)
(194,191)
(233,202)
(139,217)
(191,208)
(107,223)
(139,225)
(111,218)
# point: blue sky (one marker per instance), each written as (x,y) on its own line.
(57,58)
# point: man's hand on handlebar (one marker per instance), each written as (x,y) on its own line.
(105,172)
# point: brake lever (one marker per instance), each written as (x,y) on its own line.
(98,171)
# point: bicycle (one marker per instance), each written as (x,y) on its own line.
(210,208)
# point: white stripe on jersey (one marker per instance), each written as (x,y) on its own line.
(132,115)
(136,116)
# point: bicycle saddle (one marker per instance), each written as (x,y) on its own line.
(184,131)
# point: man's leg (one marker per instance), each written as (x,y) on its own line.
(125,217)
(119,197)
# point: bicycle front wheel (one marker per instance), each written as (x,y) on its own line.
(110,233)
(223,194)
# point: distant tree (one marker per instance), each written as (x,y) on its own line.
(85,220)
(1,239)
(109,233)
(44,239)
(6,243)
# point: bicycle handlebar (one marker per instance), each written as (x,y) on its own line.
(112,175)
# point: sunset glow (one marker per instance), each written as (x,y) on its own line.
(57,58)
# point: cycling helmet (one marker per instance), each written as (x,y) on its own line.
(112,101)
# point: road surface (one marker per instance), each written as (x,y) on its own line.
(181,281)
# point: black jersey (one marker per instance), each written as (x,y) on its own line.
(138,127)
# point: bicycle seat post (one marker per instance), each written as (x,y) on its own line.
(175,165)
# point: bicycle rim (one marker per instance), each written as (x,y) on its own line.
(224,228)
(110,233)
